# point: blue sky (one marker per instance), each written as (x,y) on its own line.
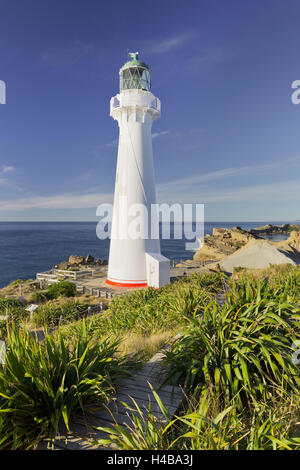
(228,135)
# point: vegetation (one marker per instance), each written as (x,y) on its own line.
(42,384)
(294,227)
(206,426)
(242,353)
(238,269)
(235,362)
(152,311)
(234,359)
(53,314)
(14,310)
(19,285)
(57,289)
(17,282)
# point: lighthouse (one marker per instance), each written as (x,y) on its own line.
(135,259)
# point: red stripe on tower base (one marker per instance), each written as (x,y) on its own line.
(125,283)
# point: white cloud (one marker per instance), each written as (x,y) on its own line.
(158,134)
(4,181)
(167,44)
(7,169)
(64,201)
(281,191)
(195,180)
(194,188)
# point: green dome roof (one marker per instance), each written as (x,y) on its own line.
(134,62)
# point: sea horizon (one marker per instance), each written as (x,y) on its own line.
(28,247)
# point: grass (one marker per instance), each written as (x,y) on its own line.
(41,385)
(13,289)
(235,362)
(55,290)
(53,314)
(152,311)
(242,352)
(293,227)
(202,425)
(282,281)
(15,310)
(132,343)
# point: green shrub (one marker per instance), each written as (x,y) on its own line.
(287,284)
(243,352)
(61,288)
(211,282)
(143,311)
(42,384)
(148,311)
(153,311)
(38,297)
(14,309)
(7,303)
(294,227)
(57,289)
(203,426)
(247,289)
(238,269)
(17,282)
(53,315)
(281,284)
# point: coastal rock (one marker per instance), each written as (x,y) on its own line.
(64,265)
(76,259)
(270,229)
(223,242)
(89,259)
(291,246)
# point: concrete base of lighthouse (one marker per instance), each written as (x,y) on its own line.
(127,284)
(158,273)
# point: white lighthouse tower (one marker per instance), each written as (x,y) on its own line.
(134,258)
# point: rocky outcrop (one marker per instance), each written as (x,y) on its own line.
(64,265)
(291,246)
(270,229)
(240,248)
(76,259)
(223,242)
(89,259)
(77,262)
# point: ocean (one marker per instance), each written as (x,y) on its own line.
(30,247)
